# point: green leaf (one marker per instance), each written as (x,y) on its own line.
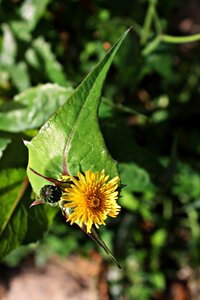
(33,107)
(135,178)
(20,30)
(8,48)
(38,222)
(128,201)
(17,71)
(32,11)
(41,57)
(72,135)
(158,238)
(28,15)
(13,221)
(3,144)
(15,155)
(186,183)
(163,65)
(19,224)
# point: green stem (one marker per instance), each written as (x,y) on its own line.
(180,39)
(157,23)
(151,46)
(137,28)
(169,39)
(122,108)
(148,21)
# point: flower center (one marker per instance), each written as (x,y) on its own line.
(93,200)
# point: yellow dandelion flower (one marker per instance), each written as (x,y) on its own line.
(92,198)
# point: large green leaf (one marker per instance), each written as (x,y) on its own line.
(13,221)
(72,136)
(18,224)
(33,107)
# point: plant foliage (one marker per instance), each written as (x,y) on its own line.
(145,128)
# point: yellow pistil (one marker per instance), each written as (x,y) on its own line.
(92,198)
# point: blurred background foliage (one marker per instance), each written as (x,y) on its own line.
(149,117)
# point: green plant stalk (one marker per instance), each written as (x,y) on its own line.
(157,23)
(180,39)
(170,40)
(148,21)
(137,28)
(193,221)
(151,46)
(123,108)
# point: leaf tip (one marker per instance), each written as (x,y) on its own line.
(26,143)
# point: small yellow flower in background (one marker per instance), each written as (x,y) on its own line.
(92,198)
